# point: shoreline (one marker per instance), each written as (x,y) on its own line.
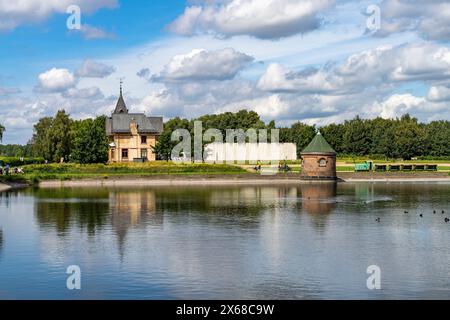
(221,181)
(227,180)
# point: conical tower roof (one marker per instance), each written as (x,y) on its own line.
(121,106)
(319,145)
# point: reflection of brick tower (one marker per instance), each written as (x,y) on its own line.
(318,160)
(318,198)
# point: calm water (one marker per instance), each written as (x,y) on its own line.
(313,241)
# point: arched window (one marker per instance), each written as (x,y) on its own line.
(322,162)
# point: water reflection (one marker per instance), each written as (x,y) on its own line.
(311,240)
(60,209)
(319,198)
(1,241)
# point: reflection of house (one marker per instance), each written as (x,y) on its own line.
(132,209)
(132,135)
(318,160)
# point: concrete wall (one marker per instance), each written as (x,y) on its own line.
(221,152)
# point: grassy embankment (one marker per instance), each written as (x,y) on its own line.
(36,173)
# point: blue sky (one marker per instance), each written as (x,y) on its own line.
(289,60)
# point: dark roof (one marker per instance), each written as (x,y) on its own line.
(121,107)
(120,120)
(120,123)
(319,145)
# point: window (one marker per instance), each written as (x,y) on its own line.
(143,153)
(143,139)
(124,153)
(322,162)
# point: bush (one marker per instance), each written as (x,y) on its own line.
(18,162)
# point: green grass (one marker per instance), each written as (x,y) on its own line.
(36,173)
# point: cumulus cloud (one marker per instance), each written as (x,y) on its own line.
(92,69)
(382,66)
(266,19)
(91,93)
(16,13)
(202,65)
(439,93)
(56,80)
(399,104)
(431,19)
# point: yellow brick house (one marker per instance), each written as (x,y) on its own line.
(132,135)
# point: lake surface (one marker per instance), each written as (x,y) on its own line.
(311,241)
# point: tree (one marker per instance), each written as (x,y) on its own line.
(164,146)
(52,137)
(334,134)
(90,143)
(2,129)
(356,138)
(299,133)
(59,137)
(410,138)
(438,133)
(40,141)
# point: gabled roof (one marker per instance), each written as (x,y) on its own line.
(318,145)
(120,123)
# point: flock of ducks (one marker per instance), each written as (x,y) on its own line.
(421,215)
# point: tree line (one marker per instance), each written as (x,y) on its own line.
(62,139)
(85,141)
(403,137)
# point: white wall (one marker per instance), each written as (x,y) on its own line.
(221,152)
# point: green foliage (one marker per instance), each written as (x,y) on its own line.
(15,150)
(52,137)
(402,138)
(90,143)
(19,161)
(68,171)
(299,133)
(438,133)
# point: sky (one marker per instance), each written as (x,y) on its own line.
(315,61)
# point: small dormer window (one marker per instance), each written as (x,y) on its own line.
(322,162)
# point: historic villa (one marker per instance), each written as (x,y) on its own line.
(132,135)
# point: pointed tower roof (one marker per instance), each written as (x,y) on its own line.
(319,145)
(121,106)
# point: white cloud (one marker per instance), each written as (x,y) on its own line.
(439,93)
(16,13)
(399,104)
(431,19)
(92,69)
(91,93)
(200,65)
(380,67)
(267,19)
(56,80)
